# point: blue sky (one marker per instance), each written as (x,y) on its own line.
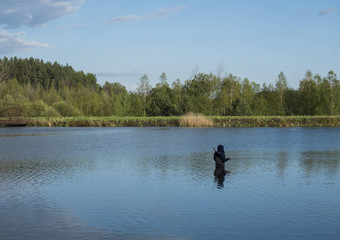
(120,40)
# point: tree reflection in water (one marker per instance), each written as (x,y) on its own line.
(315,163)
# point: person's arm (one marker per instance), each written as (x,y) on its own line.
(222,157)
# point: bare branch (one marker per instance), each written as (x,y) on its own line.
(220,69)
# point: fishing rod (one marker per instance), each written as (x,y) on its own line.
(241,158)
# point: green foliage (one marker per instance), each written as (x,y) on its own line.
(39,109)
(281,89)
(66,109)
(37,72)
(228,90)
(308,95)
(329,92)
(8,101)
(195,120)
(161,102)
(50,89)
(13,88)
(137,105)
(143,90)
(116,99)
(198,94)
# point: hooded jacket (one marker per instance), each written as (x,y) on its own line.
(219,156)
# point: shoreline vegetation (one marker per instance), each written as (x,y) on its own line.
(46,94)
(189,120)
(46,89)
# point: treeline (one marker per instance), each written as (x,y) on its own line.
(50,89)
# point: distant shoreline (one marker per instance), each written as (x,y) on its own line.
(240,121)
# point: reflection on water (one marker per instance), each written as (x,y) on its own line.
(320,163)
(220,174)
(161,183)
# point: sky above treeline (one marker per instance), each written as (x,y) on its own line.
(120,40)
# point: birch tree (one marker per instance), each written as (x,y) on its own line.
(143,89)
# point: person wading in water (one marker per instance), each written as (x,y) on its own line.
(220,159)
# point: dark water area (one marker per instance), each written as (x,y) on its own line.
(158,183)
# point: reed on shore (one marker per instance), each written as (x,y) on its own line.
(188,121)
(195,120)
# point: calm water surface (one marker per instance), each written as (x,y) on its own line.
(158,183)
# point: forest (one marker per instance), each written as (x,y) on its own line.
(45,89)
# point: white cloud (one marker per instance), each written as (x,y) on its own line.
(32,13)
(157,14)
(327,11)
(10,43)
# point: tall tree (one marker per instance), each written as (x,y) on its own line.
(230,90)
(281,88)
(163,80)
(143,89)
(308,94)
(4,73)
(177,97)
(162,99)
(198,93)
(331,94)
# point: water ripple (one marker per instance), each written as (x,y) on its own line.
(151,183)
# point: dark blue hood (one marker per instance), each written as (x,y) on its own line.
(220,148)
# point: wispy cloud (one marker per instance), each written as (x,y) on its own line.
(32,13)
(13,42)
(157,14)
(327,11)
(131,18)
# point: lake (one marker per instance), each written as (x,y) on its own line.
(158,183)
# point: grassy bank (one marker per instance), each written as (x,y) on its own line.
(278,121)
(103,122)
(253,121)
